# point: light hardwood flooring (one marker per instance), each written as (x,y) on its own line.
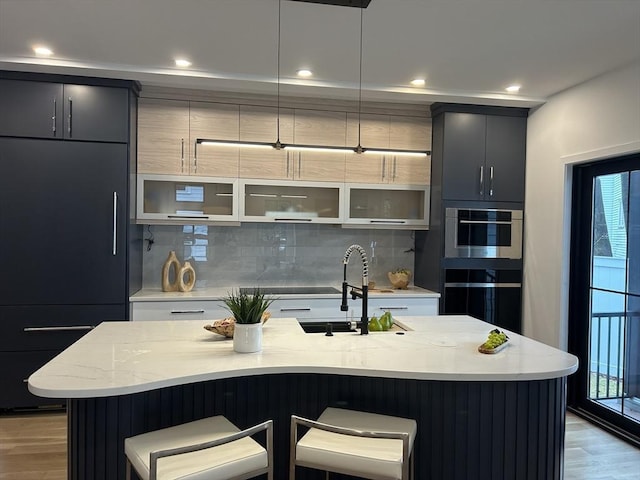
(33,447)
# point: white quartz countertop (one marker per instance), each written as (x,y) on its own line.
(218,293)
(118,358)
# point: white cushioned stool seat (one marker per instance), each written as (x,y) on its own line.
(370,456)
(239,458)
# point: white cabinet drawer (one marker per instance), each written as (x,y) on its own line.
(406,307)
(307,308)
(181,310)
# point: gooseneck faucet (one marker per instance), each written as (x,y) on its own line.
(357,292)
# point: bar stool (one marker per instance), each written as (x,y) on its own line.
(366,445)
(212,448)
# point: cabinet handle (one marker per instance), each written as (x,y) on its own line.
(181,312)
(481,180)
(292,219)
(299,165)
(393,308)
(394,168)
(187,216)
(53,118)
(114,250)
(302,309)
(69,117)
(195,158)
(182,155)
(388,221)
(384,167)
(491,181)
(287,164)
(59,329)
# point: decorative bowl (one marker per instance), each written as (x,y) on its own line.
(399,280)
(227,326)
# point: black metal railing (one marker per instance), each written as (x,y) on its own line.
(607,347)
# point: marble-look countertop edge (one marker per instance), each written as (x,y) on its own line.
(120,358)
(218,293)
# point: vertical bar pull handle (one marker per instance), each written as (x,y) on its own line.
(481,180)
(384,167)
(395,161)
(53,118)
(182,155)
(299,164)
(195,157)
(287,164)
(491,181)
(69,118)
(114,250)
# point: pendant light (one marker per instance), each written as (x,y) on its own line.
(278,145)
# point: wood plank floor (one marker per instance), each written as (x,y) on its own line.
(33,447)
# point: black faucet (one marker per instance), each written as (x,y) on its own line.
(357,292)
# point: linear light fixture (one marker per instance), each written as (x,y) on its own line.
(234,143)
(406,153)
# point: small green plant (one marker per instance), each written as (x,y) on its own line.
(247,307)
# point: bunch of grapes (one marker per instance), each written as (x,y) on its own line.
(496,338)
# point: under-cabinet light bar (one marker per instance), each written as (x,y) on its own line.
(224,194)
(293,196)
(406,153)
(311,148)
(233,143)
(317,148)
(267,195)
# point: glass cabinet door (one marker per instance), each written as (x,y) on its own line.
(291,202)
(173,199)
(383,206)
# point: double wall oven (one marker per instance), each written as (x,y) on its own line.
(483,265)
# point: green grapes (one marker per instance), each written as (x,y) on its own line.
(495,339)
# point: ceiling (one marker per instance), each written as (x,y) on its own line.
(468,51)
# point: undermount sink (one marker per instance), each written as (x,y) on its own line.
(341,326)
(291,290)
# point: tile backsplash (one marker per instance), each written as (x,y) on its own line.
(269,254)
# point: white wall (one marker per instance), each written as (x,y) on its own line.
(597,119)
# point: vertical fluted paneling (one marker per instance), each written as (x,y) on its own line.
(466,430)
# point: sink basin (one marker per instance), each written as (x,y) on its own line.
(321,327)
(292,290)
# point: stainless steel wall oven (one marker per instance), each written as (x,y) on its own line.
(483,233)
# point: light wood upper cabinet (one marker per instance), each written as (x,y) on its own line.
(163,136)
(214,121)
(389,132)
(409,133)
(260,124)
(314,127)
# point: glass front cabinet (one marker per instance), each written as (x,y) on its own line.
(292,202)
(387,206)
(180,200)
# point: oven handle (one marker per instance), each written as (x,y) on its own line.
(486,222)
(482,285)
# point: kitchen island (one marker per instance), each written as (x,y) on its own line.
(501,413)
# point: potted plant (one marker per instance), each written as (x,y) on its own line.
(247,310)
(399,278)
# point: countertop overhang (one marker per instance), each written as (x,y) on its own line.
(119,358)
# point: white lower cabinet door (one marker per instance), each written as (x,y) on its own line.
(399,307)
(181,310)
(307,309)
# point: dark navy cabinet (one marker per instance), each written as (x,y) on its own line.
(482,156)
(63,111)
(68,245)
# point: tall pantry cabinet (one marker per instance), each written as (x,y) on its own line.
(69,249)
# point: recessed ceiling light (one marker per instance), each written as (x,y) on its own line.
(418,82)
(181,62)
(304,72)
(513,88)
(42,51)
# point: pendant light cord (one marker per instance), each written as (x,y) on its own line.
(278,144)
(359,147)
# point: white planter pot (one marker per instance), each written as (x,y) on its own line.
(247,337)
